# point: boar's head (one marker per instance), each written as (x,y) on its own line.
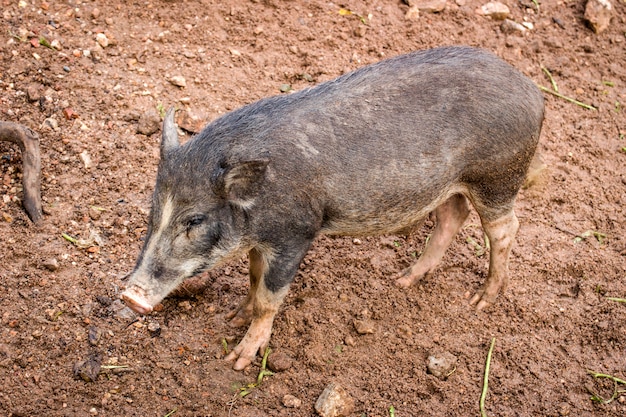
(197,218)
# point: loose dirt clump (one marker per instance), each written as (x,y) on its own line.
(90,76)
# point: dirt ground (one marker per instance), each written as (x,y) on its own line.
(60,314)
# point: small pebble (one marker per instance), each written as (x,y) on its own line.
(290,401)
(360,31)
(93,335)
(441,364)
(119,309)
(154,328)
(86,158)
(89,368)
(598,14)
(102,40)
(429,6)
(51,264)
(185,305)
(509,26)
(413,13)
(95,213)
(191,120)
(279,361)
(66,68)
(495,10)
(149,122)
(364,326)
(178,81)
(334,402)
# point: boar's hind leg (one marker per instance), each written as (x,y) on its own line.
(501,233)
(450,217)
(242,315)
(274,271)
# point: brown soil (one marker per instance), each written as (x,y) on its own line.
(553,324)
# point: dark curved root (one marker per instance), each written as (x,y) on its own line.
(28,142)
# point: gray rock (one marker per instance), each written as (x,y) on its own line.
(334,402)
(598,14)
(88,369)
(120,310)
(51,264)
(33,92)
(149,122)
(93,336)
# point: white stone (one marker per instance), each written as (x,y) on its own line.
(495,10)
(102,40)
(178,81)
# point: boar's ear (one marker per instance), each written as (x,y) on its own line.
(169,140)
(240,182)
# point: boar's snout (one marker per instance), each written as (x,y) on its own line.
(135,298)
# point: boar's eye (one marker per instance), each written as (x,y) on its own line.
(195,221)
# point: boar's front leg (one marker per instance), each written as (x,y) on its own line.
(271,272)
(242,315)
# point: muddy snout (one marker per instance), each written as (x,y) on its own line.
(135,298)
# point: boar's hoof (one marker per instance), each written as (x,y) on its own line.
(134,298)
(238,321)
(407,278)
(241,316)
(481,300)
(240,361)
(257,339)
